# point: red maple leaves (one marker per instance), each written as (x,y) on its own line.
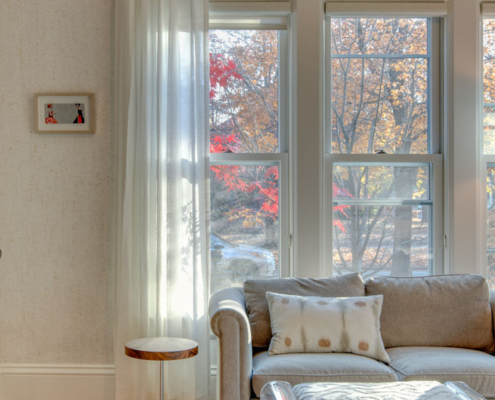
(221,70)
(224,143)
(261,182)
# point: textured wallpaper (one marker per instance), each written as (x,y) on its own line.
(55,189)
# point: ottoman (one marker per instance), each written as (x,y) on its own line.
(419,390)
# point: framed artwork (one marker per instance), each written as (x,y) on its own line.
(65,113)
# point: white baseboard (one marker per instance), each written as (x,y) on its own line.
(57,382)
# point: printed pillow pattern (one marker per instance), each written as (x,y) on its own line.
(326,325)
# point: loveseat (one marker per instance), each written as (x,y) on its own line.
(433,328)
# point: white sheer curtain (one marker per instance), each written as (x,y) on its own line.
(161,127)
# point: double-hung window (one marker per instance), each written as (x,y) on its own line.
(488,150)
(248,147)
(383,150)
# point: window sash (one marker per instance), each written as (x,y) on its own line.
(434,64)
(283,97)
(282,160)
(487,9)
(435,201)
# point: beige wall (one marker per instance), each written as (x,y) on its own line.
(55,189)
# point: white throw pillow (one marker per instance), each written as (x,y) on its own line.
(326,325)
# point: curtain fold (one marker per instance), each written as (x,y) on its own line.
(162,228)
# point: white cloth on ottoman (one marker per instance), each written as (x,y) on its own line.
(374,391)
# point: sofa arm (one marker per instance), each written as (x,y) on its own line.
(229,322)
(492,305)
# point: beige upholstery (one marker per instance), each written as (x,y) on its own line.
(257,306)
(442,364)
(300,368)
(492,306)
(452,311)
(229,322)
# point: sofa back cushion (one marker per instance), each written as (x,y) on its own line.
(350,285)
(449,310)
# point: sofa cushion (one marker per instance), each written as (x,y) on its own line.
(317,367)
(257,306)
(310,324)
(450,311)
(442,364)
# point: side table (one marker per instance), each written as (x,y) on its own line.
(161,349)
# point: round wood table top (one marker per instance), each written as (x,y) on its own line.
(161,348)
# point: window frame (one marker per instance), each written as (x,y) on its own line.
(264,12)
(485,160)
(233,21)
(434,158)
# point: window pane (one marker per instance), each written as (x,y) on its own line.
(382,240)
(490,224)
(379,36)
(489,130)
(244,76)
(488,79)
(490,276)
(380,104)
(381,182)
(244,224)
(488,60)
(489,85)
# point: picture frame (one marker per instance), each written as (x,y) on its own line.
(65,112)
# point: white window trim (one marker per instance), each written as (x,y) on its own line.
(307,107)
(464,182)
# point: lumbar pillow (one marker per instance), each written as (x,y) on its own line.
(326,325)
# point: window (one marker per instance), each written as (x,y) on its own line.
(383,145)
(488,157)
(490,224)
(248,152)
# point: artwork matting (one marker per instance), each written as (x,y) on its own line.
(65,113)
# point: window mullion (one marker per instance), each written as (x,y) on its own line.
(245,158)
(360,56)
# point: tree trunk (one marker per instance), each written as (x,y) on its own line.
(401,258)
